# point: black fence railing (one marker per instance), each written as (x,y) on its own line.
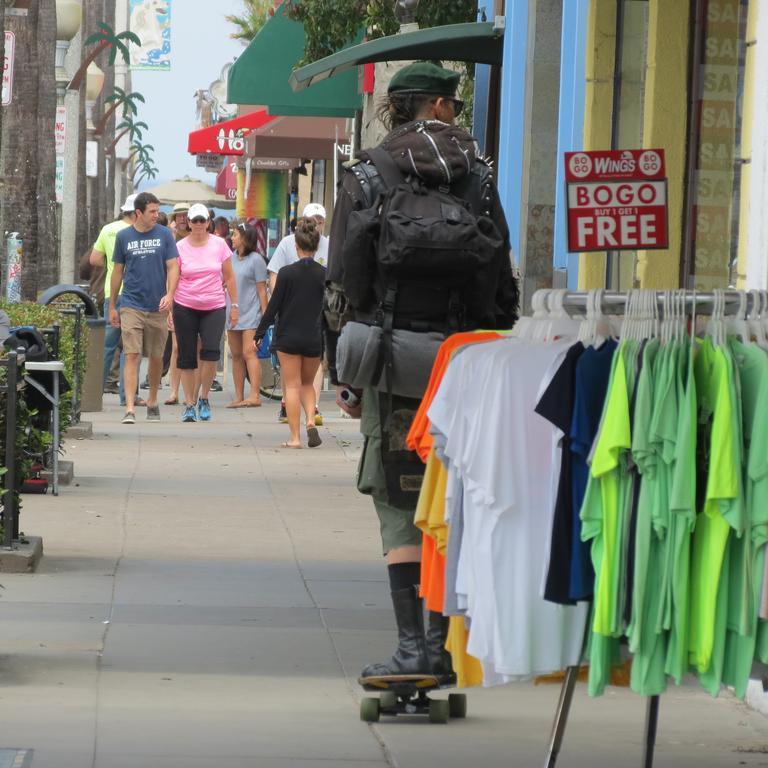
(11,385)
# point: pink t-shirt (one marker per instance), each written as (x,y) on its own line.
(200,279)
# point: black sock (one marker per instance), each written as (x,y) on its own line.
(404,575)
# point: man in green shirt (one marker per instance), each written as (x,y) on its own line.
(101,256)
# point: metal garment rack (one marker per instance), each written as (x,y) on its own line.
(613,303)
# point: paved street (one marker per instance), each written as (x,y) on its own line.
(207,599)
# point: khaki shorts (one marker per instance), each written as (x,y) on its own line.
(144,333)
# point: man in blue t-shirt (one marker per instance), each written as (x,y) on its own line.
(146,266)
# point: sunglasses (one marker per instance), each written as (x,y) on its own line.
(198,220)
(458,105)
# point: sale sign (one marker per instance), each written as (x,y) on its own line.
(617,200)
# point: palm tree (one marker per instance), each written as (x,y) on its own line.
(104,38)
(127,128)
(255,16)
(119,99)
(27,163)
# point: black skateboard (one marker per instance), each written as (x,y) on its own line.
(407,695)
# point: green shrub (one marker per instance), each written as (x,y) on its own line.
(28,313)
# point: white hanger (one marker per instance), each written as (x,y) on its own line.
(561,324)
(737,325)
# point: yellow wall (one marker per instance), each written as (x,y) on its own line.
(664,122)
(601,50)
(665,126)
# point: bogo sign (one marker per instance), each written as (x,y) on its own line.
(617,200)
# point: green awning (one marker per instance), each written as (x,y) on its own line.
(260,76)
(482,43)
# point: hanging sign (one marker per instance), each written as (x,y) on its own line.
(59,178)
(617,200)
(10,56)
(61,130)
(151,21)
(209,162)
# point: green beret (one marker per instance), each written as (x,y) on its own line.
(425,77)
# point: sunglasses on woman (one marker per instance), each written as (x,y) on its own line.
(198,220)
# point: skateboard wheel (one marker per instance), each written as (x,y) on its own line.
(370,710)
(438,711)
(388,700)
(457,704)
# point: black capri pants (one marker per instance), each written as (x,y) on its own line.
(193,324)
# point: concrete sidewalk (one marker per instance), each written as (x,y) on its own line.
(207,599)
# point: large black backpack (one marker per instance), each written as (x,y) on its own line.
(421,258)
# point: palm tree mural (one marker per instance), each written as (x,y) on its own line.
(104,39)
(119,99)
(141,151)
(128,128)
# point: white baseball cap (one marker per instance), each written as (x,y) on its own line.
(128,205)
(197,210)
(314,209)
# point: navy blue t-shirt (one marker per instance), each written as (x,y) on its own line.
(592,373)
(144,255)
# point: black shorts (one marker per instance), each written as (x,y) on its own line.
(193,324)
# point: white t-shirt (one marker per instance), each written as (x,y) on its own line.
(503,452)
(286,253)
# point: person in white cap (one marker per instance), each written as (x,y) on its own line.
(200,310)
(101,256)
(286,254)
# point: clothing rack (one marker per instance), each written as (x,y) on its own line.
(614,303)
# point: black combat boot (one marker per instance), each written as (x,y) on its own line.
(439,659)
(410,658)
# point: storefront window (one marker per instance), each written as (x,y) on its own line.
(631,53)
(714,176)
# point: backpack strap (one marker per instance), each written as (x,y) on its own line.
(386,166)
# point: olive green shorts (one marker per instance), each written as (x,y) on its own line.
(396,524)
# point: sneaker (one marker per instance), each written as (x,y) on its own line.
(282,417)
(203,410)
(129,418)
(145,383)
(318,418)
(189,413)
(216,386)
(111,389)
(153,413)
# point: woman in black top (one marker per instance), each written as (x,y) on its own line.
(297,304)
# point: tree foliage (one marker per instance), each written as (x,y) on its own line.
(255,15)
(329,25)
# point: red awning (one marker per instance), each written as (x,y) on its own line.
(226,181)
(227,138)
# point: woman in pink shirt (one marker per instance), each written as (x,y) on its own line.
(199,309)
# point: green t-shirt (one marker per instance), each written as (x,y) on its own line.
(614,440)
(105,243)
(716,414)
(645,643)
(682,504)
(747,556)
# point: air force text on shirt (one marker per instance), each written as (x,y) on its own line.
(143,248)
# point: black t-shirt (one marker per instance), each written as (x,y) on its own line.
(556,406)
(296,305)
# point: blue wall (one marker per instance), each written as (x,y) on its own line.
(512,123)
(571,121)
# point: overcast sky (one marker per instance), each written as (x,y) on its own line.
(200,47)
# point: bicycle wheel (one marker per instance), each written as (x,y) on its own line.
(271,386)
